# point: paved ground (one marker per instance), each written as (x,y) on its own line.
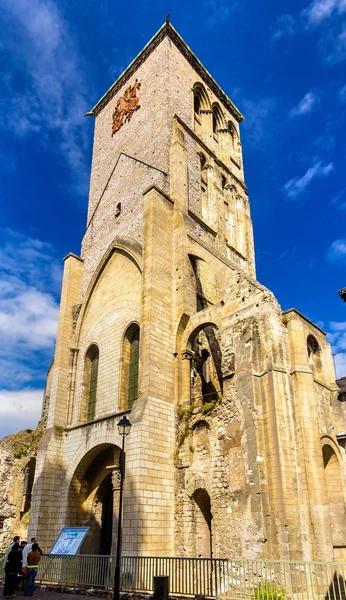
(46,594)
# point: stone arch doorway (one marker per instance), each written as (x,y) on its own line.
(94,498)
(335,494)
(203,520)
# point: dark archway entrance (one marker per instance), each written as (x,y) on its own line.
(93,501)
(203,518)
(105,497)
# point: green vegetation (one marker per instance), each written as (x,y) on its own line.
(209,406)
(185,414)
(23,451)
(23,442)
(182,435)
(267,591)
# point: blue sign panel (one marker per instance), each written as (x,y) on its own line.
(69,540)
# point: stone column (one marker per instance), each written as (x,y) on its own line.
(149,485)
(186,358)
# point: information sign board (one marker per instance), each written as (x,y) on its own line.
(69,540)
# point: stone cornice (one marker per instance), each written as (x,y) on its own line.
(167,30)
(296,312)
(113,416)
(72,255)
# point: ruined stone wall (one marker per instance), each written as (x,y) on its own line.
(17,472)
(17,452)
(265,451)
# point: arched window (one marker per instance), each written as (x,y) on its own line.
(196,103)
(234,145)
(314,354)
(231,130)
(207,382)
(90,379)
(200,103)
(203,182)
(130,366)
(218,120)
(132,393)
(214,122)
(335,494)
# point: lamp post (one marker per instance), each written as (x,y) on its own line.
(124,427)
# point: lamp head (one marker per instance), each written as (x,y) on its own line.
(124,426)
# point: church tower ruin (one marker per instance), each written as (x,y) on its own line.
(235,447)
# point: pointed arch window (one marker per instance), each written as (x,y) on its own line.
(196,103)
(217,121)
(130,367)
(91,375)
(203,182)
(132,392)
(201,105)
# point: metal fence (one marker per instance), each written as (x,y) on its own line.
(216,578)
(232,579)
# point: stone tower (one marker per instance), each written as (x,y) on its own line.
(235,447)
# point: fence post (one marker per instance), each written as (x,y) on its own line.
(161,587)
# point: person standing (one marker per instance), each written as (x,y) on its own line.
(28,549)
(16,540)
(21,581)
(12,570)
(32,565)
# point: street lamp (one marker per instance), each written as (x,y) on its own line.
(124,427)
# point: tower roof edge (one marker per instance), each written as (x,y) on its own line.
(167,29)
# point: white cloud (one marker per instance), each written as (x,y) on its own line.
(306,105)
(19,410)
(342,94)
(29,282)
(219,10)
(285,26)
(336,200)
(336,253)
(340,364)
(297,185)
(333,45)
(325,15)
(52,102)
(257,116)
(337,338)
(320,10)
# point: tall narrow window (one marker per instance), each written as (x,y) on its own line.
(130,368)
(132,393)
(203,182)
(197,103)
(217,121)
(91,371)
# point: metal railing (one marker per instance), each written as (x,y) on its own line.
(234,579)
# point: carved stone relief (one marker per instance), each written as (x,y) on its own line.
(75,314)
(126,106)
(116,476)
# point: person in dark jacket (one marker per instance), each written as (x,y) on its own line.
(12,569)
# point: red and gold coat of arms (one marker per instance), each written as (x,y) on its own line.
(126,106)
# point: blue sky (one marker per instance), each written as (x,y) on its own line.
(282,63)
